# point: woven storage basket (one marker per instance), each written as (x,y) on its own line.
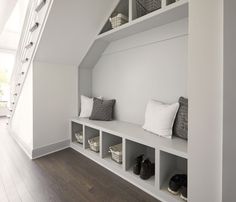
(94,144)
(116,153)
(144,7)
(118,20)
(79,137)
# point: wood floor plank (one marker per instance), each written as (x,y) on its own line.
(9,186)
(65,176)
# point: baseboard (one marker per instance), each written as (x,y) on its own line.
(39,152)
(43,151)
(21,143)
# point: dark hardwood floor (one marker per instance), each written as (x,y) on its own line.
(64,176)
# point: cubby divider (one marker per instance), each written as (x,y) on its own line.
(75,128)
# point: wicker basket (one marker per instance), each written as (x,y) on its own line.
(116,153)
(79,137)
(144,7)
(118,20)
(94,144)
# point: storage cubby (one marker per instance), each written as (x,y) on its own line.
(132,151)
(170,165)
(122,8)
(107,141)
(143,7)
(168,2)
(75,128)
(88,134)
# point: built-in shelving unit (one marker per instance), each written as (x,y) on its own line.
(122,7)
(170,11)
(169,155)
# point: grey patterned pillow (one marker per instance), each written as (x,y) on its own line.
(102,109)
(180,128)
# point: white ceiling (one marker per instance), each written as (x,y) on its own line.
(11,21)
(6,8)
(71,28)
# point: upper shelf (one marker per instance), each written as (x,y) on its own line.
(165,15)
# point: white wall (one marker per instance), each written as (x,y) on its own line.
(229,137)
(22,122)
(85,82)
(55,102)
(5,11)
(71,29)
(205,100)
(4,111)
(149,65)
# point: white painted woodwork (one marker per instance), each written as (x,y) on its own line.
(165,15)
(71,28)
(170,156)
(205,90)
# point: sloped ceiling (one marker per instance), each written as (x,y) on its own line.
(6,8)
(71,28)
(10,33)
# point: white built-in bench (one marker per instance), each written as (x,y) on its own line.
(170,155)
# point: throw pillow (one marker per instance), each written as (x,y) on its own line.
(159,118)
(180,128)
(102,110)
(86,106)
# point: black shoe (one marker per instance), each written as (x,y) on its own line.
(184,190)
(176,183)
(147,169)
(137,166)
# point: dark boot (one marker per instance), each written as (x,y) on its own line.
(137,166)
(147,169)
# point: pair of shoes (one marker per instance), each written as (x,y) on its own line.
(144,168)
(178,185)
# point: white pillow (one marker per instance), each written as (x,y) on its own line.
(159,118)
(86,107)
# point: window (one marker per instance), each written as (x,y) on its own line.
(6,66)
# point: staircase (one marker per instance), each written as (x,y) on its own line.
(35,20)
(46,19)
(56,37)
